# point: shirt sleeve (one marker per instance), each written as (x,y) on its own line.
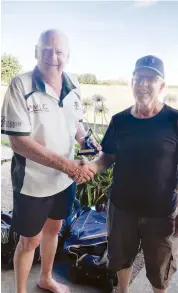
(109,142)
(78,101)
(14,114)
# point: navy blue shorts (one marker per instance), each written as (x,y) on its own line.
(30,213)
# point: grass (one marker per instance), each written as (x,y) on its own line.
(118,97)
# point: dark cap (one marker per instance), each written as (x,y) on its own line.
(150,62)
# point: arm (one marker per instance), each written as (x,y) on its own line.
(99,164)
(102,162)
(107,157)
(29,148)
(15,122)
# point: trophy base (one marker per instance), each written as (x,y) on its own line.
(88,152)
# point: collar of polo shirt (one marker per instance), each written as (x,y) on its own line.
(39,85)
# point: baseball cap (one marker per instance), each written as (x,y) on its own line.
(151,62)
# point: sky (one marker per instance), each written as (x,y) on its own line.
(106,37)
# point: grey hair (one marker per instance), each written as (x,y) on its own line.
(45,34)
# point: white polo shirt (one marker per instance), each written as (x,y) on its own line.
(31,108)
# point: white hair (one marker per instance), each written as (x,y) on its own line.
(47,33)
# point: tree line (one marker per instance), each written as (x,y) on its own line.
(10,67)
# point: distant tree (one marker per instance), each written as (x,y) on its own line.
(113,82)
(87,78)
(10,67)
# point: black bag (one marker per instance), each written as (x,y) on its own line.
(86,247)
(90,266)
(9,240)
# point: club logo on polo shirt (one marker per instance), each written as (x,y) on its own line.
(36,108)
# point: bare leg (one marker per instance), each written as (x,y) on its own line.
(124,277)
(23,259)
(48,247)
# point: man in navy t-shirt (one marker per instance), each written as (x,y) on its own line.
(142,142)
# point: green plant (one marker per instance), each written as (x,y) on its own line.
(96,190)
(5,142)
(10,67)
(87,78)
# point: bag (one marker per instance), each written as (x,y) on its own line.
(89,265)
(9,240)
(69,221)
(86,247)
(67,226)
(89,228)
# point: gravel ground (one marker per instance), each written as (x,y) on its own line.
(138,265)
(6,205)
(6,187)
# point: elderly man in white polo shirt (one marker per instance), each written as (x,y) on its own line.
(42,116)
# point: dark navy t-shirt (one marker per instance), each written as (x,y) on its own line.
(144,176)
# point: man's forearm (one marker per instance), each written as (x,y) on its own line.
(102,162)
(29,148)
(80,135)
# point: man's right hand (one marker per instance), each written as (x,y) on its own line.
(80,171)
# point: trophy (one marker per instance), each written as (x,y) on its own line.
(89,148)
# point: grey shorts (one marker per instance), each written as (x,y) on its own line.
(127,233)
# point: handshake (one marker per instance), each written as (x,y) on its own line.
(81,171)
